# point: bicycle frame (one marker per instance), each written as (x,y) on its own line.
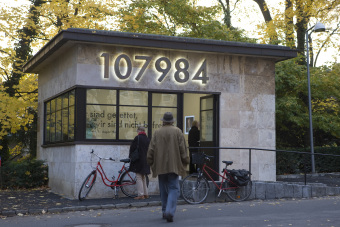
(105,179)
(225,177)
(114,183)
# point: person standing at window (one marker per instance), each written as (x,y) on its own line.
(167,156)
(193,141)
(140,167)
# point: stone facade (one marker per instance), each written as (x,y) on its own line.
(247,109)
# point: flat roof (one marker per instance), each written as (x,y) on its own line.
(279,53)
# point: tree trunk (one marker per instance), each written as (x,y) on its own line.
(264,9)
(290,37)
(301,27)
(268,19)
(226,12)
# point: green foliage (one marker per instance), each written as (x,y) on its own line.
(24,174)
(295,163)
(292,118)
(177,18)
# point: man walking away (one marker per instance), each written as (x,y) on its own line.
(167,156)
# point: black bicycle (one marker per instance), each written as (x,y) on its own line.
(195,187)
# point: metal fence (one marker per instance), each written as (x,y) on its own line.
(250,150)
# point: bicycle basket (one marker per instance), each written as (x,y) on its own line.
(197,158)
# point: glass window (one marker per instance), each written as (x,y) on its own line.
(159,99)
(130,119)
(138,98)
(110,114)
(104,116)
(100,122)
(207,104)
(71,123)
(207,125)
(157,115)
(101,114)
(162,103)
(59,119)
(71,113)
(101,96)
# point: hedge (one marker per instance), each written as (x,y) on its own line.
(24,174)
(294,163)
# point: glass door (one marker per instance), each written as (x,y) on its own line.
(209,130)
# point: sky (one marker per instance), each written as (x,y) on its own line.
(238,20)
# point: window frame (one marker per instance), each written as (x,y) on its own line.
(63,107)
(79,136)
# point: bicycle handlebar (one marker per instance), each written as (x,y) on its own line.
(111,159)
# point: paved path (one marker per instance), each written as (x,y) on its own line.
(14,202)
(303,212)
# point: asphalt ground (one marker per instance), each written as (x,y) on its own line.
(13,202)
(312,212)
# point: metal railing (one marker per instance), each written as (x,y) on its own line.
(250,149)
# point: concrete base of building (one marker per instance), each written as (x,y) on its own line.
(278,190)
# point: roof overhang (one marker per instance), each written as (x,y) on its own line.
(278,53)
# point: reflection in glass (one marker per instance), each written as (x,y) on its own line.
(159,99)
(100,122)
(52,127)
(157,115)
(59,103)
(71,123)
(60,118)
(207,125)
(52,105)
(129,120)
(138,98)
(101,96)
(48,121)
(65,123)
(58,126)
(207,104)
(71,98)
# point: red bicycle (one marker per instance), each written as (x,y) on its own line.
(195,187)
(126,180)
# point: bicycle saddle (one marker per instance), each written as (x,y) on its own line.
(126,160)
(228,163)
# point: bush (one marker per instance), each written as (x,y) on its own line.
(294,163)
(24,174)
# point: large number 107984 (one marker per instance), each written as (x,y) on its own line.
(162,65)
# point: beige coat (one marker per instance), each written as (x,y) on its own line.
(168,151)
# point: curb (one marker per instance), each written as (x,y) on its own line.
(260,191)
(11,213)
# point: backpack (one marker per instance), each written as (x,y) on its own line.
(241,176)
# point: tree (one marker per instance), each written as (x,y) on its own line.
(177,18)
(292,105)
(14,110)
(23,32)
(305,13)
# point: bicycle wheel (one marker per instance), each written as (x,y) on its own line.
(194,189)
(128,184)
(239,193)
(86,187)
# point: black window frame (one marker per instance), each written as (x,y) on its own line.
(80,115)
(46,132)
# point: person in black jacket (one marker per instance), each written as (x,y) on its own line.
(193,141)
(140,167)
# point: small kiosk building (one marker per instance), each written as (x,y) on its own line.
(96,87)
